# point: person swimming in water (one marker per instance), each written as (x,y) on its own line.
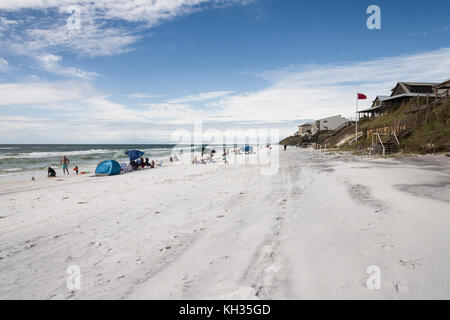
(65,165)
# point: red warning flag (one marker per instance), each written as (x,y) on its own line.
(362,96)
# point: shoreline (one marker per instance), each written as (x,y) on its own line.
(21,170)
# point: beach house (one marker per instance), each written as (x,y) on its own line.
(402,93)
(442,89)
(330,123)
(304,129)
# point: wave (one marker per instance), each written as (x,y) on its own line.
(11,170)
(51,154)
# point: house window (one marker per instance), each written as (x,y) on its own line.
(421,89)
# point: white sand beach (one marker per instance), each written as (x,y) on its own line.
(220,231)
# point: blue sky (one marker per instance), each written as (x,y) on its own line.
(137,70)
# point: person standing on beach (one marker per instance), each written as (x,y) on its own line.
(224,157)
(65,164)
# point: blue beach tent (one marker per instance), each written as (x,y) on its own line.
(134,154)
(108,168)
(248,149)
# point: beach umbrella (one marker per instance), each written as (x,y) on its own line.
(134,154)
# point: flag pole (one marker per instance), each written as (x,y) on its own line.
(356,118)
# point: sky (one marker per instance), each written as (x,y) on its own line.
(137,71)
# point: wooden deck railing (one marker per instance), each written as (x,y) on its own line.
(437,102)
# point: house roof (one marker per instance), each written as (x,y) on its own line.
(411,94)
(420,83)
(381,98)
(443,85)
(339,115)
(405,85)
(369,110)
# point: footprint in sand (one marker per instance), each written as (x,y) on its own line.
(386,242)
(29,245)
(387,245)
(410,264)
(401,287)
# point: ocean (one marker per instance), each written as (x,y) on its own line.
(19,161)
(27,159)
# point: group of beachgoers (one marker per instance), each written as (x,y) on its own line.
(140,164)
(144,163)
(209,159)
(65,166)
(132,166)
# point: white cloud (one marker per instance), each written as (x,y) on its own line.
(5,24)
(3,64)
(104,23)
(36,93)
(138,95)
(324,90)
(307,92)
(171,113)
(51,63)
(91,40)
(101,109)
(201,97)
(293,93)
(151,12)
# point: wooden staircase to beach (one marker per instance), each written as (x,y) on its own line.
(385,146)
(390,147)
